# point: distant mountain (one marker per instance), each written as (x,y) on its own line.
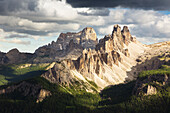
(15,57)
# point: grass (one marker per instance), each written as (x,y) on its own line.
(60,102)
(164,70)
(15,73)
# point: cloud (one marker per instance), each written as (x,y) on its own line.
(93,11)
(141,23)
(27,20)
(20,25)
(16,41)
(138,4)
(17,36)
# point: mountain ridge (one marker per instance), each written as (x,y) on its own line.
(108,62)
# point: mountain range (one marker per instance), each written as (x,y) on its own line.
(78,63)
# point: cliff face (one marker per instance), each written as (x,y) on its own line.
(87,38)
(106,64)
(68,46)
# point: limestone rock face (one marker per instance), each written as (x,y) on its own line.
(68,46)
(60,73)
(42,95)
(87,38)
(151,90)
(126,35)
(117,41)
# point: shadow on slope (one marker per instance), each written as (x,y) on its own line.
(10,73)
(149,64)
(117,93)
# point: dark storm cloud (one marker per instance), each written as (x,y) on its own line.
(16,36)
(17,5)
(141,4)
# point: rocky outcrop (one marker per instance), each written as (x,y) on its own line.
(14,56)
(148,85)
(151,90)
(60,74)
(42,95)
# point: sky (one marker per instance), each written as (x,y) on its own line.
(29,24)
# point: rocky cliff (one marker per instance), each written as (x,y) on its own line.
(68,46)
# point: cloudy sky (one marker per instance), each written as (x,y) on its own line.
(29,24)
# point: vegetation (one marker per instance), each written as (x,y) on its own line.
(73,99)
(60,102)
(164,70)
(15,73)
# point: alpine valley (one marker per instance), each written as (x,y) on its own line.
(80,74)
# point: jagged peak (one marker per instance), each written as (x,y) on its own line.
(116,29)
(89,33)
(125,29)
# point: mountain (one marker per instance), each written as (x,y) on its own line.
(80,74)
(107,64)
(68,46)
(14,56)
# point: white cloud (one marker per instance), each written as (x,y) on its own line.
(106,30)
(53,8)
(42,18)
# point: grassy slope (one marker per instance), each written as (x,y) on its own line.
(61,100)
(164,70)
(15,73)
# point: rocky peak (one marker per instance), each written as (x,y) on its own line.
(13,51)
(117,41)
(106,64)
(126,35)
(88,33)
(13,55)
(87,38)
(116,30)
